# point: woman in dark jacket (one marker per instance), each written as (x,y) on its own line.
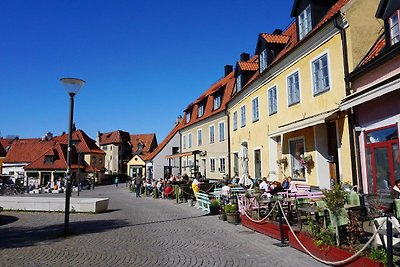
(395,193)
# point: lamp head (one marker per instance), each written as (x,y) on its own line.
(72,85)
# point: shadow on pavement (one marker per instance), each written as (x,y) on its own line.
(18,237)
(168,220)
(5,219)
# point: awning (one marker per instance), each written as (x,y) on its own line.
(185,154)
(369,94)
(303,123)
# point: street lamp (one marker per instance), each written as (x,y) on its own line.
(72,86)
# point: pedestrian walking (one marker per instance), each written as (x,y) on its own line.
(138,183)
(116,181)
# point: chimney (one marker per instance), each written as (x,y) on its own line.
(277,32)
(98,138)
(178,120)
(244,56)
(228,69)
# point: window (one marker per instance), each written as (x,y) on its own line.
(394,28)
(190,140)
(200,110)
(188,114)
(243,116)
(199,137)
(212,165)
(222,165)
(184,141)
(263,60)
(235,120)
(272,101)
(304,21)
(297,153)
(221,131)
(254,105)
(239,83)
(320,74)
(293,88)
(212,134)
(104,148)
(217,101)
(184,164)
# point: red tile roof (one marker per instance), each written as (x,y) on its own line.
(375,51)
(27,150)
(83,142)
(275,38)
(59,154)
(248,66)
(115,137)
(149,141)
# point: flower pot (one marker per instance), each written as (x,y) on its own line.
(232,218)
(329,253)
(214,210)
(222,216)
(267,227)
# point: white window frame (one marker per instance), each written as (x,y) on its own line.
(184,141)
(200,110)
(289,103)
(315,84)
(212,164)
(222,165)
(396,38)
(189,140)
(255,108)
(199,137)
(239,83)
(263,60)
(243,116)
(212,134)
(221,134)
(235,120)
(272,107)
(297,138)
(188,115)
(304,22)
(217,101)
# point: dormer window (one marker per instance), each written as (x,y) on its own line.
(263,60)
(304,22)
(394,28)
(200,112)
(188,114)
(239,83)
(48,159)
(217,101)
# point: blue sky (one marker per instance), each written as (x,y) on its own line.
(143,61)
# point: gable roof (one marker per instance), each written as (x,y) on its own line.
(149,142)
(166,140)
(59,154)
(83,142)
(115,137)
(375,51)
(27,150)
(275,38)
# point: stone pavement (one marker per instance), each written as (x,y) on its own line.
(137,232)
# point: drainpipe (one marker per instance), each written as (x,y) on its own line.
(229,144)
(350,113)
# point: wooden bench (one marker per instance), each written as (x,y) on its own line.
(203,202)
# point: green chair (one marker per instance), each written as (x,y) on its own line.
(353,199)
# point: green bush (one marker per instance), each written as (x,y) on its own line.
(215,202)
(230,208)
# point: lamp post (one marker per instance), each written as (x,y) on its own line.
(72,86)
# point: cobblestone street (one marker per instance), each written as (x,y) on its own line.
(137,232)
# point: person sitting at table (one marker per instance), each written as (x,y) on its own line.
(168,190)
(395,192)
(264,186)
(285,183)
(292,185)
(276,187)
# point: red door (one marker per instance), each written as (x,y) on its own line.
(383,162)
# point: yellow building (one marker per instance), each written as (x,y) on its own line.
(286,113)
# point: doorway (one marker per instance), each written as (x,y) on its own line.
(257,164)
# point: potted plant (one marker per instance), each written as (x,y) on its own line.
(231,213)
(215,205)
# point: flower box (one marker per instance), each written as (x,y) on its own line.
(266,227)
(329,253)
